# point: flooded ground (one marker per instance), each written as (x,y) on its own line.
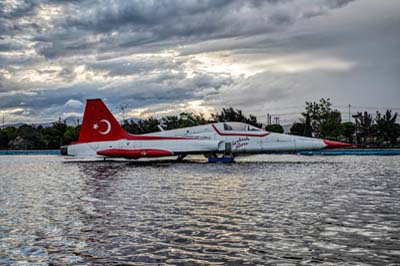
(262,210)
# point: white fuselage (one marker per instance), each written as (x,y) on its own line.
(182,146)
(237,138)
(244,138)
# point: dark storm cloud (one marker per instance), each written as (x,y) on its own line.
(128,66)
(10,14)
(183,17)
(129,24)
(17,9)
(107,16)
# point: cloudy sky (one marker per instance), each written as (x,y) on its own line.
(164,57)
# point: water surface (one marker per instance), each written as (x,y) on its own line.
(262,210)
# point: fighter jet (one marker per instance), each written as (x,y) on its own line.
(102,136)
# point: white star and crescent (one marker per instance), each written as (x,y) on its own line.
(105,132)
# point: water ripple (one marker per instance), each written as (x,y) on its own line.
(262,210)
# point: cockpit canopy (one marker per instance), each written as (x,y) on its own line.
(238,126)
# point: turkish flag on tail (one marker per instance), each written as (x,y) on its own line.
(99,124)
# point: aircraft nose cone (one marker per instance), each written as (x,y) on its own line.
(330,144)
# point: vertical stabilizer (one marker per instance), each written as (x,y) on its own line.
(99,124)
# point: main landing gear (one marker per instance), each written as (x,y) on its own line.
(227,157)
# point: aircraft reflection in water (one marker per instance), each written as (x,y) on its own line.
(101,136)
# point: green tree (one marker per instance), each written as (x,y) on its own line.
(274,128)
(150,125)
(395,135)
(142,126)
(71,134)
(53,137)
(6,135)
(232,115)
(302,128)
(26,137)
(348,130)
(183,120)
(330,126)
(131,127)
(321,114)
(170,122)
(187,120)
(364,122)
(307,127)
(297,129)
(386,126)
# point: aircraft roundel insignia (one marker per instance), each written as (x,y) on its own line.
(103,132)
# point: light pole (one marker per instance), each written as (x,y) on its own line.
(349,113)
(356,117)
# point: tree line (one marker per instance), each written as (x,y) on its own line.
(319,120)
(28,137)
(322,121)
(59,133)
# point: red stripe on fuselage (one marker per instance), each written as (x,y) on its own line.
(139,137)
(128,136)
(239,134)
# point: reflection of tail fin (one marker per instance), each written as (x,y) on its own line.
(99,124)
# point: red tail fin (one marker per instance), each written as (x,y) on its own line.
(99,124)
